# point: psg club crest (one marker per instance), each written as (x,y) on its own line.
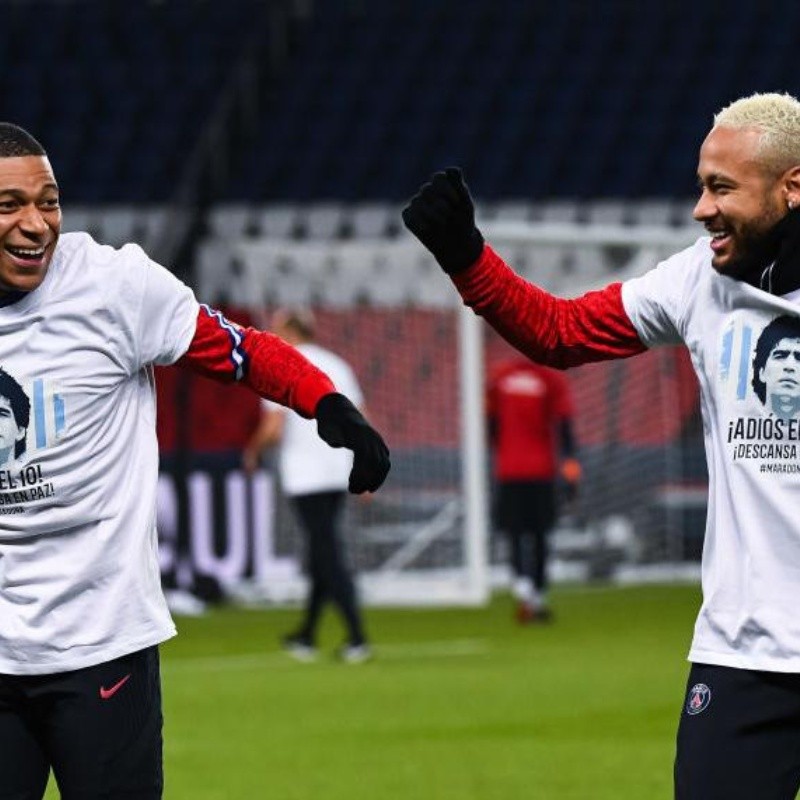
(699,698)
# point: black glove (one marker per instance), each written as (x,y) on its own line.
(341,424)
(570,477)
(441,215)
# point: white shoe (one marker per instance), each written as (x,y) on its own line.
(299,649)
(355,653)
(184,604)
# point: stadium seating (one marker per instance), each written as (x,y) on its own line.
(120,93)
(537,101)
(564,100)
(117,224)
(345,254)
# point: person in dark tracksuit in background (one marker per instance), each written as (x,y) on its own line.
(314,478)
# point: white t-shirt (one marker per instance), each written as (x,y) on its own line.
(79,574)
(749,375)
(307,464)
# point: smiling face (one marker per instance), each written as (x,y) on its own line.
(30,221)
(741,199)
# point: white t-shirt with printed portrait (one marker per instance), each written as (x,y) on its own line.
(79,574)
(307,464)
(743,345)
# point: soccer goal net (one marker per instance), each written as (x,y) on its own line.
(640,513)
(427,536)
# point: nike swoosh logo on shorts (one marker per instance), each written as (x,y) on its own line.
(106,693)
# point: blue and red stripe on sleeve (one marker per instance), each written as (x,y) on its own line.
(547,329)
(227,352)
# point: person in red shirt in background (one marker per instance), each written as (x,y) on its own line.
(530,413)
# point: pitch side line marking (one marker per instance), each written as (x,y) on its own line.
(453,648)
(444,648)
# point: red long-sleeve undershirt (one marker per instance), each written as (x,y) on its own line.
(549,330)
(226,352)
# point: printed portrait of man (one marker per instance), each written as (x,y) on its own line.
(15,412)
(776,367)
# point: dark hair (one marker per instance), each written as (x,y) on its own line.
(16,141)
(783,327)
(20,406)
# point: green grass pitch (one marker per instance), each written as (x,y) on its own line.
(459,703)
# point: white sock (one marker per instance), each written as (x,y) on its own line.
(522,589)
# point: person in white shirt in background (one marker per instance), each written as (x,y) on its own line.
(314,478)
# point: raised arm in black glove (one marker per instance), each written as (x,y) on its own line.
(441,215)
(341,424)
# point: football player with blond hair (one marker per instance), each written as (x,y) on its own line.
(739,732)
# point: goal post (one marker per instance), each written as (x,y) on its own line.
(475,496)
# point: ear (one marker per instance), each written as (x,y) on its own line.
(791,187)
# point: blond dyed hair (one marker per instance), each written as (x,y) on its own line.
(777,117)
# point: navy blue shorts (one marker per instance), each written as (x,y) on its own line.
(525,506)
(98,728)
(739,735)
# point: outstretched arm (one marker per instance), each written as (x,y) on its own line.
(224,351)
(548,329)
(227,352)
